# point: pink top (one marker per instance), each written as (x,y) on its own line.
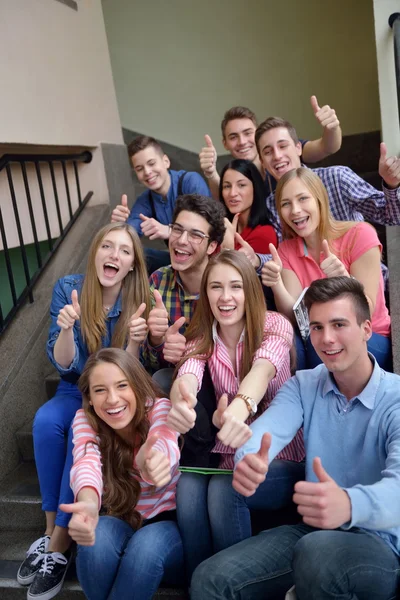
(348,248)
(86,470)
(277,341)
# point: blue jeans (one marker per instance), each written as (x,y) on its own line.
(155,259)
(322,564)
(212,516)
(125,564)
(53,456)
(379,345)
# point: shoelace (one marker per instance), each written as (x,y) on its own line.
(50,560)
(38,546)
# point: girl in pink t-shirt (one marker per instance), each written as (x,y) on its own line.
(317,246)
(126,461)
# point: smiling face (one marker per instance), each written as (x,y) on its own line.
(237,192)
(278,152)
(187,254)
(299,209)
(226,295)
(111,397)
(114,258)
(151,169)
(339,341)
(239,138)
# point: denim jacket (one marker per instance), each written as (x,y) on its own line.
(62,296)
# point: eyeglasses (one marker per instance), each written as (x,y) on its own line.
(195,237)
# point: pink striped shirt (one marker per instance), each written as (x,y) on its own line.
(275,347)
(87,468)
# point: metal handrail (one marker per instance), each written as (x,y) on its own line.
(38,160)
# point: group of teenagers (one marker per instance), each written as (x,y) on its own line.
(189,402)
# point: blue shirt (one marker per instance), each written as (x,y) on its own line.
(358,441)
(192,183)
(62,296)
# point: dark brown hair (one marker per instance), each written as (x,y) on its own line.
(212,211)
(121,486)
(141,142)
(333,288)
(274,123)
(237,112)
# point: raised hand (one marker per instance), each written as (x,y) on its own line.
(182,415)
(138,325)
(326,116)
(208,158)
(389,168)
(174,342)
(331,265)
(247,251)
(324,504)
(271,271)
(152,229)
(233,432)
(252,469)
(121,212)
(158,320)
(156,465)
(230,230)
(70,313)
(82,526)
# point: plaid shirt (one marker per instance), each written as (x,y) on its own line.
(350,199)
(178,304)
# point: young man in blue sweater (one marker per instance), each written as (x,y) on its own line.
(348,543)
(152,212)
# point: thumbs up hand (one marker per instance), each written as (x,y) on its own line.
(154,465)
(138,325)
(326,116)
(121,212)
(208,158)
(233,431)
(252,469)
(247,250)
(389,168)
(182,415)
(82,526)
(331,265)
(324,504)
(230,230)
(158,320)
(174,342)
(153,229)
(70,313)
(271,271)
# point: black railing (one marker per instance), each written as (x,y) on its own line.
(49,210)
(394,22)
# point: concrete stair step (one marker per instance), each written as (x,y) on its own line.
(20,502)
(51,383)
(25,442)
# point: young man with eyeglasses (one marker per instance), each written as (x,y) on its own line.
(152,212)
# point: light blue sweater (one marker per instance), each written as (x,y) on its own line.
(358,441)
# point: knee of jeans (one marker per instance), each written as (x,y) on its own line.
(205,580)
(152,543)
(221,493)
(45,419)
(309,559)
(191,494)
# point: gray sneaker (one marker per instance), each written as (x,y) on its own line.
(31,565)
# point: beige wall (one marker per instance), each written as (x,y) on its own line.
(55,74)
(178,65)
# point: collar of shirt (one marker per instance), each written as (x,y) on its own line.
(368,396)
(178,282)
(217,339)
(116,310)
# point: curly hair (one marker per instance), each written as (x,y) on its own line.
(212,211)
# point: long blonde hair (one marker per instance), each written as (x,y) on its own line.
(200,328)
(135,290)
(329,228)
(121,490)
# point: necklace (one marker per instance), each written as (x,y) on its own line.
(107,308)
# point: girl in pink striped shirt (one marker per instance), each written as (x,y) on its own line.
(247,350)
(126,460)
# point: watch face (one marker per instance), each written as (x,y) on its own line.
(253,405)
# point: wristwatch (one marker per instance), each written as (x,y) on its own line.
(250,403)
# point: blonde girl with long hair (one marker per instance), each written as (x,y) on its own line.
(317,246)
(247,350)
(106,307)
(125,462)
